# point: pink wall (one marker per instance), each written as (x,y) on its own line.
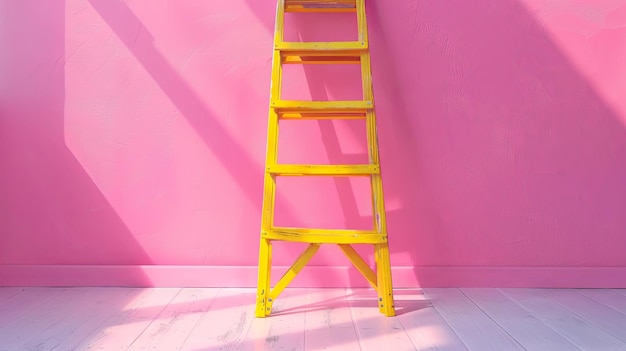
(132,142)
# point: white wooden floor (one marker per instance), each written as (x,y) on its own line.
(311,319)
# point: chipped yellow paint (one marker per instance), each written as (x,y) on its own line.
(352,52)
(323,170)
(312,59)
(318,116)
(342,47)
(320,6)
(325,236)
(321,106)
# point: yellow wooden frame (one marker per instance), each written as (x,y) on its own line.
(352,52)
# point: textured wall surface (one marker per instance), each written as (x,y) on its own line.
(132,141)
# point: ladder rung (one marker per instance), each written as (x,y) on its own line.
(319,106)
(318,116)
(326,236)
(345,47)
(324,170)
(314,59)
(320,6)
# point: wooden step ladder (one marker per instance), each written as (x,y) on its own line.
(346,52)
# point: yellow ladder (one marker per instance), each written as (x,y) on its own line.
(348,52)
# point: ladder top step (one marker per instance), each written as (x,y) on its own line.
(326,236)
(322,106)
(324,170)
(320,6)
(321,115)
(340,46)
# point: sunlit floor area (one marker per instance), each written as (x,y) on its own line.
(311,319)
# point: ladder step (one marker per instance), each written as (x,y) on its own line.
(343,47)
(320,6)
(307,58)
(324,170)
(325,236)
(322,106)
(349,56)
(320,115)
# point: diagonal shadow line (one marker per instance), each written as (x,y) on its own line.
(330,139)
(406,173)
(52,214)
(118,15)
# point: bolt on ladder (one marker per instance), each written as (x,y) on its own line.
(345,52)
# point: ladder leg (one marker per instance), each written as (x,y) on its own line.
(385,286)
(263,308)
(381,252)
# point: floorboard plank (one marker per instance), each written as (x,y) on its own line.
(375,330)
(578,330)
(9,292)
(225,325)
(610,298)
(602,316)
(178,319)
(529,331)
(472,325)
(84,314)
(620,291)
(328,323)
(28,325)
(424,325)
(24,305)
(128,323)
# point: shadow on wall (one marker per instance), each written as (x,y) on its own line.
(51,211)
(510,156)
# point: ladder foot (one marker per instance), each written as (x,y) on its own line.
(386,306)
(385,288)
(263,308)
(263,289)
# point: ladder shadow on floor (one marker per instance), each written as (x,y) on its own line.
(405,302)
